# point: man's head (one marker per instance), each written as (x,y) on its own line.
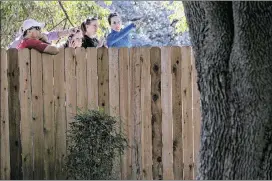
(115,21)
(32,28)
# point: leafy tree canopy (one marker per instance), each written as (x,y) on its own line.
(178,15)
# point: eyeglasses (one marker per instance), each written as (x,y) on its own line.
(35,27)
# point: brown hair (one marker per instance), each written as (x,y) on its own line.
(88,21)
(70,38)
(111,15)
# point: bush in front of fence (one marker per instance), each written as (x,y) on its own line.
(94,143)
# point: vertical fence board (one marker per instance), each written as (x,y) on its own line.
(4,119)
(187,123)
(136,112)
(124,111)
(71,88)
(49,122)
(155,69)
(196,115)
(71,85)
(114,99)
(146,114)
(26,113)
(60,114)
(177,112)
(81,75)
(167,117)
(14,115)
(103,79)
(92,79)
(37,114)
(114,82)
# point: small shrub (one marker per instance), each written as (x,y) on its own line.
(93,145)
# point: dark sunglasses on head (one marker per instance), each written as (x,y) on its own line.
(35,27)
(89,20)
(76,30)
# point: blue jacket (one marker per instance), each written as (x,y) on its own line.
(121,38)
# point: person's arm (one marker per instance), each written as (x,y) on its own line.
(113,38)
(42,47)
(51,50)
(53,35)
(67,32)
(16,42)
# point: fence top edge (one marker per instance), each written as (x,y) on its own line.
(94,48)
(110,47)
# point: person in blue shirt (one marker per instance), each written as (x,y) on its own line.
(119,37)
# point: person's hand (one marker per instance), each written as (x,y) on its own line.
(138,23)
(43,38)
(68,32)
(73,30)
(72,44)
(101,42)
(105,44)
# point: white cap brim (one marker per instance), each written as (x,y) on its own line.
(32,23)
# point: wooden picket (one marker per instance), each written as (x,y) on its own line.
(177,112)
(60,114)
(14,113)
(156,112)
(152,92)
(4,119)
(26,113)
(49,121)
(187,122)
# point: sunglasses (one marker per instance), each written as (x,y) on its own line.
(76,30)
(35,27)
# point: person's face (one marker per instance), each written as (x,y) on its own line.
(34,32)
(116,23)
(92,28)
(77,39)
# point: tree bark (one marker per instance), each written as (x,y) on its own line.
(232,44)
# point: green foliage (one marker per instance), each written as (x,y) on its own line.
(177,8)
(94,143)
(13,13)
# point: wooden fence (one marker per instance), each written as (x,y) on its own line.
(153,91)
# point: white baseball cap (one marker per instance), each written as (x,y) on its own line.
(31,23)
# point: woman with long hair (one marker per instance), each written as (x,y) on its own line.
(89,29)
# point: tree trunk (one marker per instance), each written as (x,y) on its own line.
(232,44)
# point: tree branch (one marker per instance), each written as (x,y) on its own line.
(65,24)
(57,24)
(65,12)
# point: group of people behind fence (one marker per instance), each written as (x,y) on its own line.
(31,36)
